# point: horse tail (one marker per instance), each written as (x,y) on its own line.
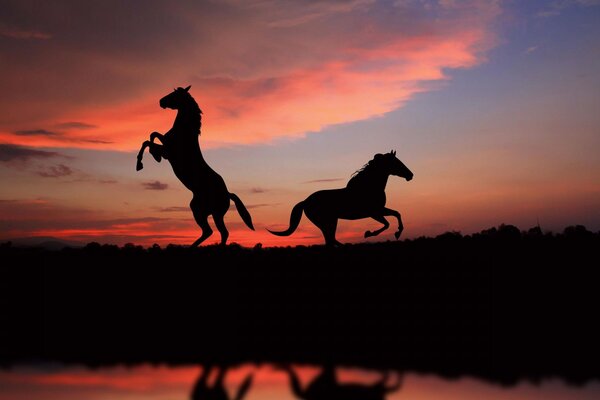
(241,208)
(294,220)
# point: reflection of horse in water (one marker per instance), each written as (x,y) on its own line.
(181,148)
(203,391)
(363,197)
(326,387)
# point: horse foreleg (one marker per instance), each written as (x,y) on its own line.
(153,150)
(378,218)
(394,213)
(140,155)
(159,136)
(156,150)
(158,155)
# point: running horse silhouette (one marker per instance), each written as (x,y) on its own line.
(181,148)
(203,391)
(326,387)
(363,197)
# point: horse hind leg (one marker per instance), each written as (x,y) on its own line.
(220,224)
(202,221)
(325,222)
(328,227)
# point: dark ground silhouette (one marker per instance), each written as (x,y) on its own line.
(181,148)
(363,197)
(325,387)
(499,305)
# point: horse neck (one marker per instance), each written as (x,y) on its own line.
(186,128)
(379,181)
(372,180)
(188,118)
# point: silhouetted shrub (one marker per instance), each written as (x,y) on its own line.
(577,232)
(536,231)
(508,232)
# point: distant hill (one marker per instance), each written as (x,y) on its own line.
(44,242)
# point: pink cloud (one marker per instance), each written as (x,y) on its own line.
(267,72)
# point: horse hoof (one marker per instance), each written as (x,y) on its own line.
(368,234)
(397,234)
(139,166)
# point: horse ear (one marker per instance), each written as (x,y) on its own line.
(187,89)
(393,152)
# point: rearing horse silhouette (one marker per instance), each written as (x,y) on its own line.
(363,197)
(181,148)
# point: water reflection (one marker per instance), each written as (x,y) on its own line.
(52,382)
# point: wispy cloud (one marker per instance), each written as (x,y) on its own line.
(36,132)
(23,34)
(155,185)
(531,49)
(35,217)
(56,171)
(12,152)
(60,137)
(256,190)
(75,125)
(287,14)
(97,141)
(558,6)
(324,180)
(173,209)
(252,206)
(259,205)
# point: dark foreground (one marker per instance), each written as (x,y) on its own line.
(500,306)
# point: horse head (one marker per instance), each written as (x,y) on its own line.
(391,164)
(176,99)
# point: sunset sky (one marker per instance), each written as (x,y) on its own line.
(494,105)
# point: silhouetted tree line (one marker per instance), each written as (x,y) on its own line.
(503,232)
(501,304)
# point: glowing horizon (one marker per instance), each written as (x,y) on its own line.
(295,99)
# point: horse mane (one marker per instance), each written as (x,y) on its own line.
(360,174)
(195,109)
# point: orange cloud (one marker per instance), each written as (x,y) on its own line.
(362,66)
